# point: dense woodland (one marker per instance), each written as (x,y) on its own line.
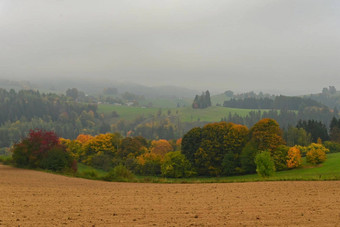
(28,109)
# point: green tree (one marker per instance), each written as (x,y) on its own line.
(176,165)
(247,157)
(191,142)
(265,166)
(298,136)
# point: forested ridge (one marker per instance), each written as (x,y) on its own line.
(28,109)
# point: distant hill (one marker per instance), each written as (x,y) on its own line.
(96,87)
(329,97)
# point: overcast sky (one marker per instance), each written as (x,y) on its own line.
(241,45)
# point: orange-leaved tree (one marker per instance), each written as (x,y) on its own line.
(83,138)
(294,157)
(160,147)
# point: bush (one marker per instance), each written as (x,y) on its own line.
(57,159)
(333,147)
(316,154)
(294,157)
(119,173)
(176,165)
(265,166)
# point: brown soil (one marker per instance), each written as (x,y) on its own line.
(32,198)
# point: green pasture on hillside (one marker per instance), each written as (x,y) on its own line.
(186,114)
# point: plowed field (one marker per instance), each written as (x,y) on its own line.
(32,198)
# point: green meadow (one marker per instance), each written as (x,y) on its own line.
(186,114)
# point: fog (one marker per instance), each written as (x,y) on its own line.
(241,45)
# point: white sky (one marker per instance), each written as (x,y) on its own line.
(241,45)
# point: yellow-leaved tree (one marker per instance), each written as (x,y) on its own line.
(316,153)
(294,157)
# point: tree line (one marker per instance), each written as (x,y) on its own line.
(278,102)
(216,149)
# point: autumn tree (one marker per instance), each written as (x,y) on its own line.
(83,138)
(160,147)
(149,163)
(179,144)
(316,153)
(206,148)
(267,135)
(280,156)
(294,157)
(100,150)
(42,149)
(132,147)
(74,147)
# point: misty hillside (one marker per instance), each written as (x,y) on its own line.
(96,87)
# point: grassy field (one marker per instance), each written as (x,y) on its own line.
(329,170)
(186,114)
(167,102)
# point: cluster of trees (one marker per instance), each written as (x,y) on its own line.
(141,156)
(285,118)
(217,149)
(42,149)
(315,128)
(202,101)
(230,149)
(279,102)
(250,94)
